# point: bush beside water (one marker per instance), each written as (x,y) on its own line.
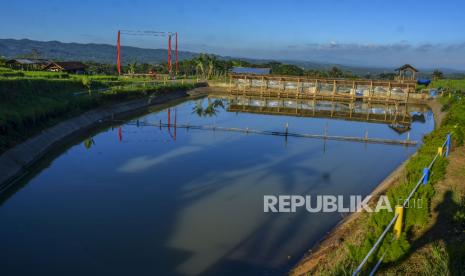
(414,218)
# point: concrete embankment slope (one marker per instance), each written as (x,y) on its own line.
(15,162)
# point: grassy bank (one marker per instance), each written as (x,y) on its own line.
(30,103)
(439,248)
(351,247)
(415,218)
(453,85)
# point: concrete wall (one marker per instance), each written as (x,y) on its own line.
(15,162)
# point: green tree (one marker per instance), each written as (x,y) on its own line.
(437,75)
(336,72)
(87,82)
(33,54)
(132,67)
(211,66)
(200,70)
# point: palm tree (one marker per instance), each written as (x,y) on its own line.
(211,68)
(198,108)
(132,68)
(199,67)
(200,63)
(209,111)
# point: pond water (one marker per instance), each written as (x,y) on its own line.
(136,199)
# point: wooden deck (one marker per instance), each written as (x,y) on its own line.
(375,91)
(352,111)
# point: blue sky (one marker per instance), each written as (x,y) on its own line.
(376,33)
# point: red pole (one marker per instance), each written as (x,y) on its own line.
(120,134)
(176,53)
(175,119)
(118,50)
(169,118)
(169,53)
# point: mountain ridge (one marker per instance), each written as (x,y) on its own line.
(106,53)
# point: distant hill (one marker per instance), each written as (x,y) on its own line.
(105,53)
(102,53)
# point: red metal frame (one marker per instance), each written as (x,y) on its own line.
(176,53)
(169,54)
(118,50)
(149,33)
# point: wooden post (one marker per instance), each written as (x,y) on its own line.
(371,91)
(267,86)
(334,90)
(354,90)
(316,89)
(313,106)
(230,84)
(408,93)
(368,112)
(390,91)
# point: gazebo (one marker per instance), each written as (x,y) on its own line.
(406,72)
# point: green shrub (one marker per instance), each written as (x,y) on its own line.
(414,218)
(449,84)
(46,75)
(11,74)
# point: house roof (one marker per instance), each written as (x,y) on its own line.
(250,70)
(27,61)
(406,66)
(68,65)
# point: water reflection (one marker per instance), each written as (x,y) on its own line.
(141,163)
(144,203)
(89,142)
(232,209)
(212,108)
(399,115)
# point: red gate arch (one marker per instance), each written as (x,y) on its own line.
(149,33)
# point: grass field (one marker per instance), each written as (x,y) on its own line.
(449,84)
(31,101)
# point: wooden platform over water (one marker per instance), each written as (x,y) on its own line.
(375,91)
(334,110)
(399,116)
